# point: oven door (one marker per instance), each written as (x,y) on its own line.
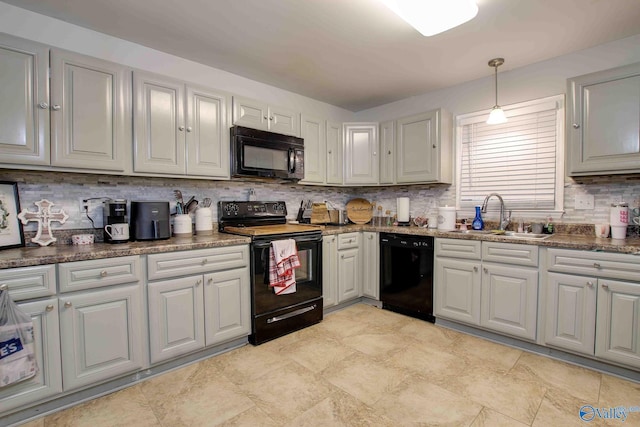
(308,276)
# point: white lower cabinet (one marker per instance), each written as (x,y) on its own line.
(329,271)
(48,380)
(593,304)
(371,265)
(189,312)
(176,317)
(472,287)
(342,268)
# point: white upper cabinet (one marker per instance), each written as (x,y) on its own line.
(24,104)
(603,123)
(313,133)
(168,141)
(258,115)
(361,153)
(207,133)
(159,129)
(90,112)
(387,152)
(334,153)
(423,148)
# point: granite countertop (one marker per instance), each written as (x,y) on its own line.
(30,256)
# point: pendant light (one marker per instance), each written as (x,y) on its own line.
(431,17)
(497,115)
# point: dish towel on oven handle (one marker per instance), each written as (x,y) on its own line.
(283,261)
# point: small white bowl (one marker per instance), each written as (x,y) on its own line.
(82,239)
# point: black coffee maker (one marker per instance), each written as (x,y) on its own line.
(114,212)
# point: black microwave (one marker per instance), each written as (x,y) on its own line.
(258,153)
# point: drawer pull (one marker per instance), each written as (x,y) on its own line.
(475,269)
(342,256)
(210,281)
(596,265)
(103,273)
(590,284)
(605,286)
(199,282)
(4,287)
(486,270)
(49,307)
(204,261)
(370,237)
(68,304)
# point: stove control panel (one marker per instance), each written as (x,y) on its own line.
(239,210)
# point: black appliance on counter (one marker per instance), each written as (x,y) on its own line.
(277,315)
(114,212)
(150,220)
(406,274)
(262,154)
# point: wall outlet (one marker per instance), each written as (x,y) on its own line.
(93,209)
(585,201)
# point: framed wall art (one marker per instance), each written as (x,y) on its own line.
(10,226)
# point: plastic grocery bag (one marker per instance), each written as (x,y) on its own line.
(17,355)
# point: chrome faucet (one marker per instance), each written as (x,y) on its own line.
(504,221)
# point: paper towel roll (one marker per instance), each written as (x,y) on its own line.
(403,209)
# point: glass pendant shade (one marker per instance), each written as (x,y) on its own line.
(497,116)
(431,17)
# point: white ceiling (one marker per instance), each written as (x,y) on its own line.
(355,54)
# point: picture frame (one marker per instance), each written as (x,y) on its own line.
(11,235)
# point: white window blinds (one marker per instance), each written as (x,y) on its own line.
(518,159)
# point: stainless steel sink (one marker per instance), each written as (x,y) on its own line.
(534,236)
(471,231)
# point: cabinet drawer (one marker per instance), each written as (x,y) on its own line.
(30,282)
(600,264)
(510,253)
(174,264)
(75,276)
(348,240)
(458,248)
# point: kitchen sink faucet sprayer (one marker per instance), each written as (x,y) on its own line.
(504,221)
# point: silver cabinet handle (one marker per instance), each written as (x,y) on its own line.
(265,117)
(389,152)
(342,256)
(199,282)
(486,270)
(576,126)
(204,261)
(181,128)
(103,273)
(434,145)
(271,118)
(590,284)
(605,286)
(375,153)
(475,269)
(67,304)
(596,265)
(210,281)
(55,107)
(350,240)
(189,129)
(370,237)
(49,307)
(43,105)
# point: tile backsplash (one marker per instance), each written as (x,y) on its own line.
(67,190)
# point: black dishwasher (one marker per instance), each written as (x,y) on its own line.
(406,274)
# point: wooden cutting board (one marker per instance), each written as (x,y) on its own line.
(359,211)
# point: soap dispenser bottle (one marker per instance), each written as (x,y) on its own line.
(478,223)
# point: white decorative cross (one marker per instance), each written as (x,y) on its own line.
(43,217)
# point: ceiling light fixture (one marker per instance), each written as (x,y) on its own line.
(431,17)
(497,115)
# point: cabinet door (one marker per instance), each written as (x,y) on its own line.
(618,322)
(313,133)
(250,113)
(176,317)
(603,127)
(361,153)
(510,300)
(159,130)
(571,312)
(334,153)
(457,290)
(387,152)
(349,274)
(91,112)
(284,121)
(207,133)
(329,271)
(24,122)
(101,334)
(417,148)
(48,381)
(371,271)
(227,301)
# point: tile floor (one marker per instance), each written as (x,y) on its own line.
(363,366)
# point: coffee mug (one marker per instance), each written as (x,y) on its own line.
(636,220)
(117,231)
(602,230)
